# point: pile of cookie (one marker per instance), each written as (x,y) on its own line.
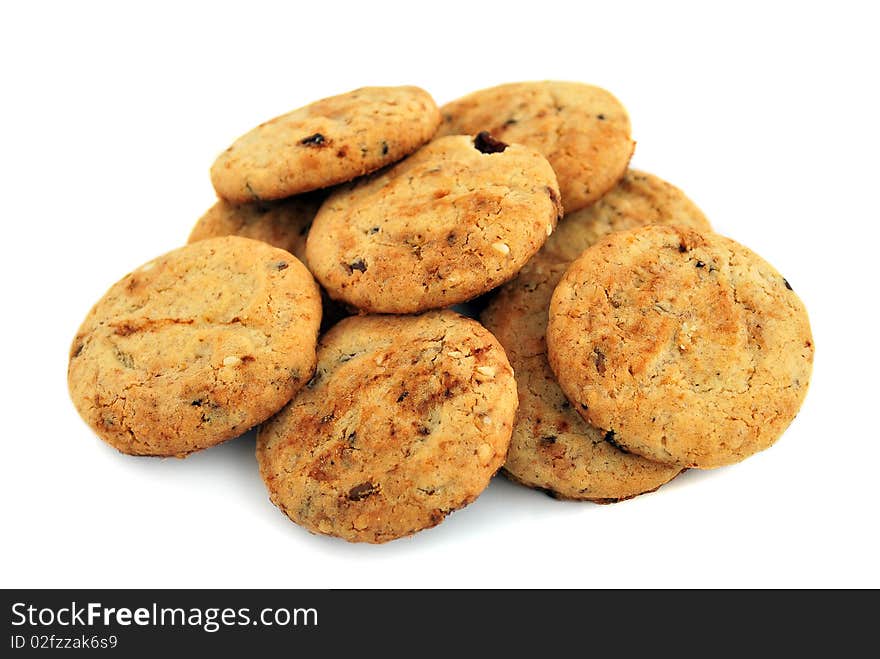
(621,340)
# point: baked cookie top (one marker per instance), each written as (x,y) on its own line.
(327,142)
(688,346)
(454,220)
(583,131)
(638,199)
(552,447)
(283,224)
(195,347)
(405,420)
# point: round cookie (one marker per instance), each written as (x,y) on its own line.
(405,420)
(583,131)
(688,346)
(195,347)
(327,142)
(452,221)
(552,447)
(636,200)
(283,224)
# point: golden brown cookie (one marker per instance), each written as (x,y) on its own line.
(638,199)
(405,420)
(327,142)
(195,347)
(283,224)
(689,347)
(452,221)
(583,131)
(552,447)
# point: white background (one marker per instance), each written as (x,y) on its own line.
(766,114)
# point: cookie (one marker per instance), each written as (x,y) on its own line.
(283,224)
(638,199)
(195,347)
(552,447)
(583,131)
(452,221)
(405,420)
(685,346)
(328,142)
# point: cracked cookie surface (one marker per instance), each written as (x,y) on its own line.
(583,130)
(283,224)
(688,346)
(454,220)
(195,347)
(405,420)
(327,142)
(552,447)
